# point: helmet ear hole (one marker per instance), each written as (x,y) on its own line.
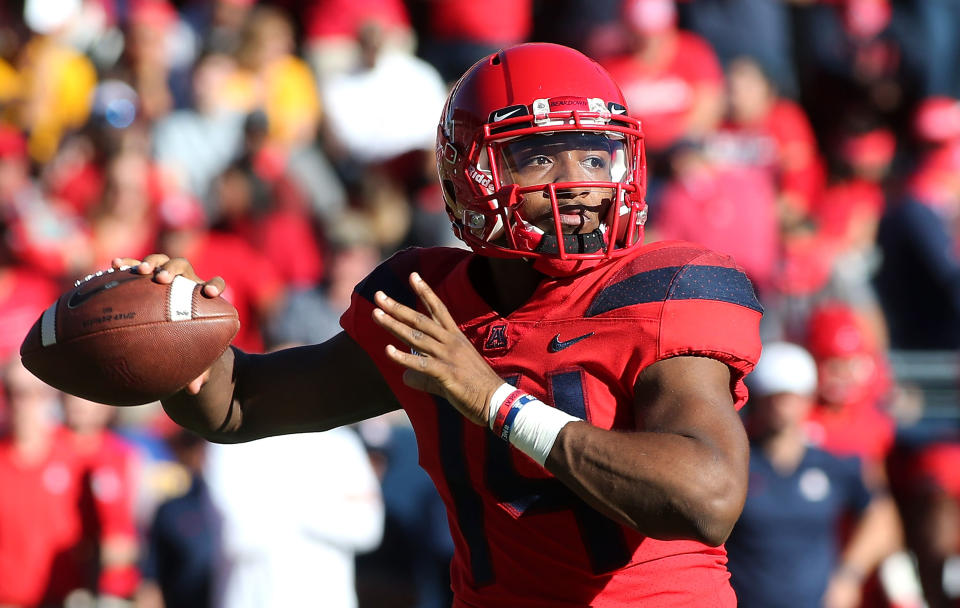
(450,191)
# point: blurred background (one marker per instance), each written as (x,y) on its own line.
(287,146)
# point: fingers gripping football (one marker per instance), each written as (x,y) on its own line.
(444,362)
(165,269)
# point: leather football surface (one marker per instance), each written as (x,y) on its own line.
(120,338)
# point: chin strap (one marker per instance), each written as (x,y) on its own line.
(591,242)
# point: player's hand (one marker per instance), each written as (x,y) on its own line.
(164,269)
(446,364)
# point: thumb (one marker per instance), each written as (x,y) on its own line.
(197,383)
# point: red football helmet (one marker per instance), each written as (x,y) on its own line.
(539,159)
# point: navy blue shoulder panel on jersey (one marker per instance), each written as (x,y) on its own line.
(688,282)
(390,277)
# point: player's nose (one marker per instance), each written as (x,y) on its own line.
(569,169)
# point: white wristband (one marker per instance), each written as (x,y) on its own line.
(497,400)
(536,427)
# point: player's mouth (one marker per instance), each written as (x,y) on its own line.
(573,219)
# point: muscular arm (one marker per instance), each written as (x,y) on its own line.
(297,390)
(684,476)
(681,475)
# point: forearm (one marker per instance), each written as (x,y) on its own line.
(664,485)
(211,412)
(295,390)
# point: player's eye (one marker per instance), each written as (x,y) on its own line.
(538,160)
(595,162)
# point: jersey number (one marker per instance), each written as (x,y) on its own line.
(602,538)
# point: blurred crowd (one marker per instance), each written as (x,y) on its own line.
(287,146)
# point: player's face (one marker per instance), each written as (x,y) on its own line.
(555,159)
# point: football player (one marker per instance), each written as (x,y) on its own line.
(574,392)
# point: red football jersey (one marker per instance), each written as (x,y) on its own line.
(522,538)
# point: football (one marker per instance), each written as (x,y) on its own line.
(120,338)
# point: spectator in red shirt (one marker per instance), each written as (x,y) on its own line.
(830,251)
(24,294)
(764,129)
(40,232)
(275,219)
(254,288)
(110,468)
(43,558)
(854,380)
(726,207)
(125,218)
(672,80)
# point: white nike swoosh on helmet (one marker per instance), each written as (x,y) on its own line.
(499,117)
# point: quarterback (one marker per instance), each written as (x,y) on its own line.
(574,391)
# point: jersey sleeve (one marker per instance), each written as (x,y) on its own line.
(391,278)
(710,309)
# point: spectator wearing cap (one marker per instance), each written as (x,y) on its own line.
(798,494)
(832,254)
(854,382)
(848,211)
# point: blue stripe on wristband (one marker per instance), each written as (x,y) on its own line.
(512,415)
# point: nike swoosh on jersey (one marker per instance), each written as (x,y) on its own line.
(556,345)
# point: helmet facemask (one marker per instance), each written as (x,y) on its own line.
(577,174)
